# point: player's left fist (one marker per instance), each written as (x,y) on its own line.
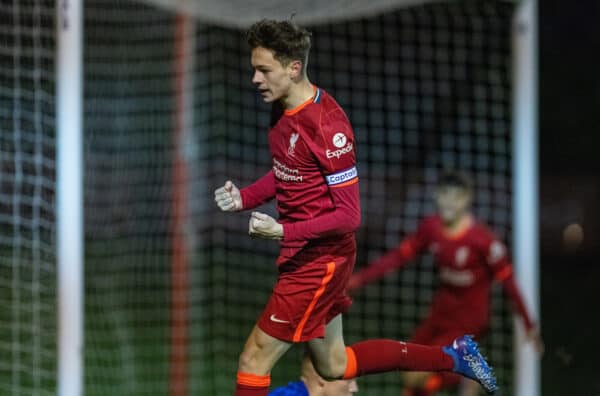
(264,226)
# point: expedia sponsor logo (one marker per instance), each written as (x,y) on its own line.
(339,140)
(338,153)
(342,177)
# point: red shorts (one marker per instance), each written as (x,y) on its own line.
(309,293)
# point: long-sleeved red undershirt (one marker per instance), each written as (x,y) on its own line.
(344,218)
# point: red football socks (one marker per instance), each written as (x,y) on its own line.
(379,356)
(243,390)
(252,385)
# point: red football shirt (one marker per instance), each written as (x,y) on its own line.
(468,264)
(313,177)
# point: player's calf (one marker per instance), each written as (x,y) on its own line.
(330,364)
(328,354)
(331,369)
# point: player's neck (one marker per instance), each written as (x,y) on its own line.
(461,225)
(299,93)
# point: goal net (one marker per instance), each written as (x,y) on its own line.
(426,88)
(172,286)
(27,191)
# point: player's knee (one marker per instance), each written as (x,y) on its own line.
(247,362)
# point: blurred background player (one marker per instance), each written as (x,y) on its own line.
(312,384)
(315,183)
(469,258)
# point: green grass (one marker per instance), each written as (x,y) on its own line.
(127,344)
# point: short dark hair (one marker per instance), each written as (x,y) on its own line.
(287,40)
(453,178)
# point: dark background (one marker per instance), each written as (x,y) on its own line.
(570,193)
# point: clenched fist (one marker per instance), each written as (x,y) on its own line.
(228,197)
(264,226)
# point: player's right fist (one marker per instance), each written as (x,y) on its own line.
(228,197)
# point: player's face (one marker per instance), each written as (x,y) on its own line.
(340,388)
(272,79)
(453,203)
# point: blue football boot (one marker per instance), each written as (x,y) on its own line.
(469,362)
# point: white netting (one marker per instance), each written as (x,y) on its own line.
(27,215)
(128,118)
(425,87)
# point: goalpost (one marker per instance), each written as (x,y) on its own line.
(69,196)
(154,108)
(526,207)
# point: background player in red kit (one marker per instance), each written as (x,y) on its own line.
(469,258)
(315,183)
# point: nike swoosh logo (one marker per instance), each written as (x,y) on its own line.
(274,319)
